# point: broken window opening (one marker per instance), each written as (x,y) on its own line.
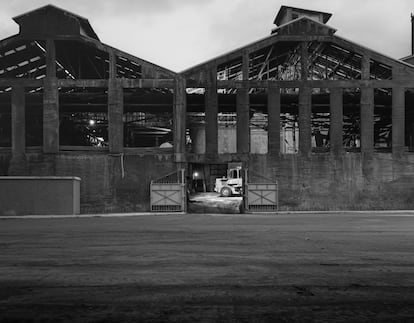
(383,120)
(409,119)
(320,120)
(83,115)
(78,60)
(34,117)
(352,120)
(148,118)
(5,120)
(289,118)
(259,121)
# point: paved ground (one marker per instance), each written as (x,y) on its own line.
(212,202)
(190,268)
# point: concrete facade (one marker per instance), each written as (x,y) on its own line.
(110,183)
(117,179)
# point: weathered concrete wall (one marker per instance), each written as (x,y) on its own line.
(353,182)
(105,187)
(322,182)
(4,163)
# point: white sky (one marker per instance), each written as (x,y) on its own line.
(178,34)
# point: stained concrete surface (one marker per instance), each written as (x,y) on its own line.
(212,202)
(206,268)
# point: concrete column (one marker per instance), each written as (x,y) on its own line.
(367,109)
(304,61)
(179,118)
(50,102)
(50,58)
(18,121)
(112,65)
(245,66)
(115,116)
(305,120)
(243,120)
(398,119)
(211,110)
(365,67)
(50,116)
(336,128)
(367,120)
(273,110)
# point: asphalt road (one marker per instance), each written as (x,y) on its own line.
(206,268)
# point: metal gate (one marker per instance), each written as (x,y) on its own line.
(168,194)
(261,193)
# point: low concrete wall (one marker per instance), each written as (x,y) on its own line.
(379,181)
(353,181)
(23,195)
(110,183)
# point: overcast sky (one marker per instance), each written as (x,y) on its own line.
(178,34)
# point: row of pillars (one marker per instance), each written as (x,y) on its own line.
(115,108)
(115,111)
(115,117)
(305,121)
(305,113)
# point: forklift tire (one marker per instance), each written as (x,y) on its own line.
(225,191)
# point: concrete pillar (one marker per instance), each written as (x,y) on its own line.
(112,65)
(304,61)
(115,115)
(50,58)
(336,128)
(50,116)
(367,109)
(18,120)
(367,120)
(115,109)
(211,110)
(305,104)
(273,110)
(245,66)
(243,120)
(50,102)
(398,119)
(305,120)
(179,118)
(365,67)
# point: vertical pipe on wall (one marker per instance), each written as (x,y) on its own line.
(412,34)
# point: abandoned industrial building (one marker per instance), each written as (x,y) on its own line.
(314,121)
